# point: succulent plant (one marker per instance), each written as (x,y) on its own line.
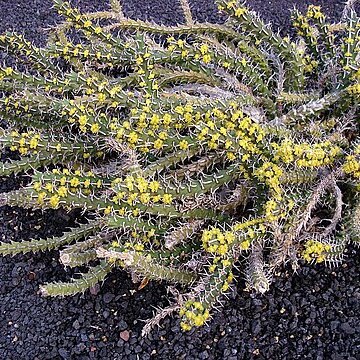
(188,147)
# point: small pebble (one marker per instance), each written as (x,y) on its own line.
(125,335)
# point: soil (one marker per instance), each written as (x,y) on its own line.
(312,314)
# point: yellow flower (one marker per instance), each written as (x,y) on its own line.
(133,137)
(185,326)
(108,210)
(22,142)
(245,245)
(95,128)
(180,43)
(33,143)
(63,181)
(144,198)
(62,191)
(37,186)
(183,145)
(23,150)
(206,58)
(54,201)
(226,64)
(225,286)
(163,135)
(154,186)
(231,156)
(139,60)
(41,197)
(87,24)
(179,110)
(141,184)
(158,144)
(131,198)
(240,11)
(204,48)
(231,4)
(167,119)
(49,187)
(83,119)
(101,97)
(167,198)
(74,182)
(8,71)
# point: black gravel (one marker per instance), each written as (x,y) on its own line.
(313,314)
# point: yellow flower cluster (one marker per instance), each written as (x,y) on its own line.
(306,155)
(301,22)
(276,208)
(134,246)
(315,250)
(5,72)
(137,189)
(194,314)
(354,89)
(232,5)
(147,130)
(179,44)
(249,134)
(18,42)
(25,142)
(352,166)
(69,51)
(220,262)
(84,117)
(216,241)
(314,12)
(240,11)
(231,131)
(62,183)
(228,280)
(249,230)
(272,210)
(309,64)
(249,223)
(305,29)
(204,54)
(270,174)
(138,240)
(200,52)
(147,76)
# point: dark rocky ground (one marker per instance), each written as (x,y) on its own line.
(313,314)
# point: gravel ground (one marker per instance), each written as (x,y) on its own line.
(313,314)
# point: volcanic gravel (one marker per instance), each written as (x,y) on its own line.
(313,314)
